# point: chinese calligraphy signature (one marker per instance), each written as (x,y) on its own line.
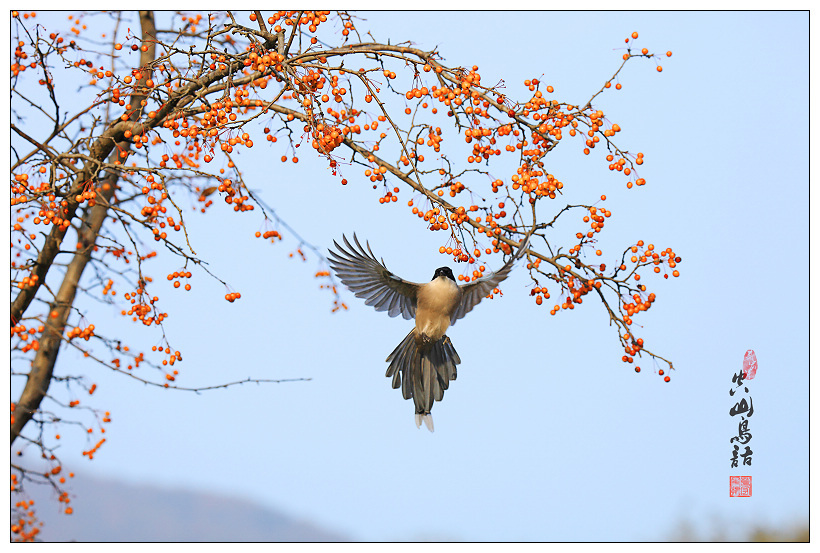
(744,409)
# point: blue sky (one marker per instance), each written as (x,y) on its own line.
(545,435)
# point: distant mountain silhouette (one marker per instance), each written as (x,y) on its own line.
(111,511)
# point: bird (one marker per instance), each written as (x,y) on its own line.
(424,363)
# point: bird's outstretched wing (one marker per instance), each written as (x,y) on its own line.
(368,278)
(479,289)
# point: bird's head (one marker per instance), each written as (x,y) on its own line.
(444,272)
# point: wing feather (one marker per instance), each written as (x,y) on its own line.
(479,289)
(368,278)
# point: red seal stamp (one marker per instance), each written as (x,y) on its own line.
(740,486)
(749,365)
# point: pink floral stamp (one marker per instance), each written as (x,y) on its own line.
(749,365)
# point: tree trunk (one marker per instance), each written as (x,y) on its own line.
(42,368)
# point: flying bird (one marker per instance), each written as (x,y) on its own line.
(424,363)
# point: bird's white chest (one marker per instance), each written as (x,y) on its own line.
(436,302)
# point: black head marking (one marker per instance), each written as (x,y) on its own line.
(445,272)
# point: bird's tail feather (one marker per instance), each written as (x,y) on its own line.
(427,419)
(423,374)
